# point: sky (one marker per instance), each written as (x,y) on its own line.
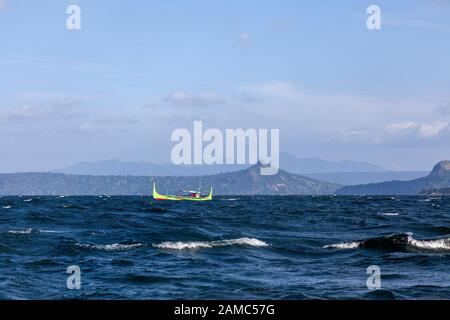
(137,70)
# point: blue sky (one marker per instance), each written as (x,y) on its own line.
(137,70)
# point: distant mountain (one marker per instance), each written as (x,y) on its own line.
(438,178)
(243,182)
(288,162)
(353,178)
(249,181)
(317,165)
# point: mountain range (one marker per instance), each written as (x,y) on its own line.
(243,182)
(344,172)
(247,181)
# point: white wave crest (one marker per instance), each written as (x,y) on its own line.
(7,207)
(343,245)
(193,245)
(110,247)
(24,231)
(411,244)
(393,214)
(438,244)
(429,199)
(51,231)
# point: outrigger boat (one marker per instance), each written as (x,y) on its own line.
(192,196)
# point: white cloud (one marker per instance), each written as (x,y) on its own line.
(18,113)
(85,128)
(421,130)
(402,127)
(405,131)
(429,130)
(66,108)
(360,135)
(201,100)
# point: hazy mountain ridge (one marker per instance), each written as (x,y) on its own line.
(288,162)
(438,178)
(356,178)
(245,182)
(293,164)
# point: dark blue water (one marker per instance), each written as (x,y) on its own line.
(230,248)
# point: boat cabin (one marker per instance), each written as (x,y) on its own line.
(194,194)
(190,194)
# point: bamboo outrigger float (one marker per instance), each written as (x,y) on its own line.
(193,196)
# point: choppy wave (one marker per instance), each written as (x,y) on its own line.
(7,207)
(30,230)
(398,242)
(23,231)
(193,245)
(141,249)
(110,247)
